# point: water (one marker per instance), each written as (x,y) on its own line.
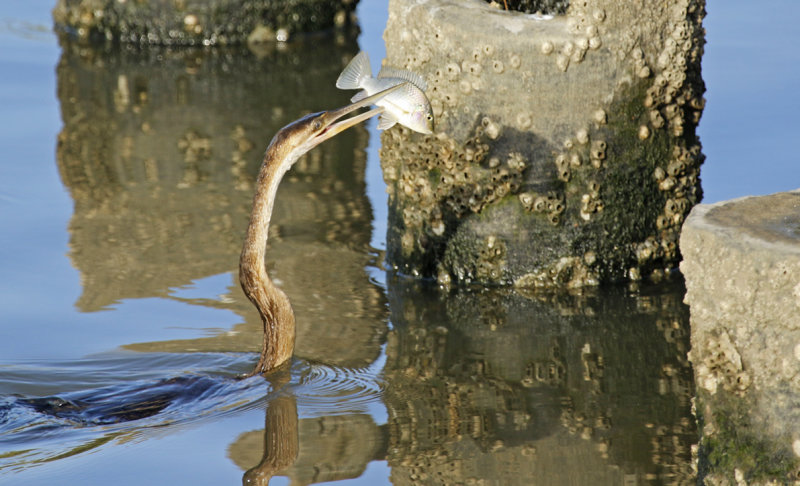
(125,183)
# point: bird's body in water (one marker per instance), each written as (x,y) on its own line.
(286,147)
(408,106)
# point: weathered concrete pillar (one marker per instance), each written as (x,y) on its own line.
(742,269)
(565,150)
(199,22)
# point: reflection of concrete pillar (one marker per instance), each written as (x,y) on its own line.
(593,388)
(565,150)
(742,268)
(199,22)
(160,148)
(159,151)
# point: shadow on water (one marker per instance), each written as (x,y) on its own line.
(479,384)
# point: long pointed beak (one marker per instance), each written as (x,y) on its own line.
(335,127)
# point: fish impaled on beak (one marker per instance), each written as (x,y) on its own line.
(332,122)
(408,106)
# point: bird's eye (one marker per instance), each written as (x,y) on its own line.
(317,125)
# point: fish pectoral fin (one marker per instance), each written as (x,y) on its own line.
(410,76)
(355,72)
(358,96)
(386,121)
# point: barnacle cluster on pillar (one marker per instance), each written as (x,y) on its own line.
(567,140)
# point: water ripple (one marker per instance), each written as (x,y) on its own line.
(331,390)
(50,410)
(88,413)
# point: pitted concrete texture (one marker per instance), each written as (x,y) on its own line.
(742,269)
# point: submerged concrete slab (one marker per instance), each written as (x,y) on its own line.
(742,269)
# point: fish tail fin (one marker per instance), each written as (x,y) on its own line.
(355,72)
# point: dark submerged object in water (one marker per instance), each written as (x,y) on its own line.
(125,403)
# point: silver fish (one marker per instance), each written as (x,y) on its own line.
(407,106)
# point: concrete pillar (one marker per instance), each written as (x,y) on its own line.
(742,269)
(565,150)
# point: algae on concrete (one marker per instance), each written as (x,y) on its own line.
(733,450)
(532,6)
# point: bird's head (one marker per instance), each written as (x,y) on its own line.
(311,130)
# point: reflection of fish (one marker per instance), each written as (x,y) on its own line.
(408,106)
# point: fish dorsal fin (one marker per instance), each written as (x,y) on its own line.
(411,77)
(355,72)
(386,121)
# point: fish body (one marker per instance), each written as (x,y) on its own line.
(407,106)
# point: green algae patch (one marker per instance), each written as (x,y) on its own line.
(732,446)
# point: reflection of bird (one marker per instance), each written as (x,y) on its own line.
(288,145)
(281,438)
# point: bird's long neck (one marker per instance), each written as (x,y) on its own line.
(271,302)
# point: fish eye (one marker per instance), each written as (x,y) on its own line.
(429,117)
(317,124)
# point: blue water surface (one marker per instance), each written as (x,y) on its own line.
(751,68)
